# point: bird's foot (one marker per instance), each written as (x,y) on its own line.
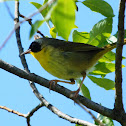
(75,93)
(52,82)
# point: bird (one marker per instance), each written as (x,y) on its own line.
(67,60)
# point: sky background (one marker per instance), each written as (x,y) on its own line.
(16,94)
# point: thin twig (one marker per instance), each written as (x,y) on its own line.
(23,60)
(58,112)
(13,111)
(29,17)
(8,9)
(92,115)
(30,22)
(32,112)
(36,92)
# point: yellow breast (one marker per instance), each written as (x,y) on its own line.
(64,65)
(54,62)
(43,57)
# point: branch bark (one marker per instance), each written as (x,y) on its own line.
(29,17)
(57,88)
(13,111)
(118,107)
(90,104)
(28,116)
(44,102)
(118,65)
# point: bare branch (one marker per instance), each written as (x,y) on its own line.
(13,111)
(92,115)
(58,112)
(8,9)
(30,22)
(32,112)
(23,60)
(17,33)
(36,92)
(118,65)
(29,17)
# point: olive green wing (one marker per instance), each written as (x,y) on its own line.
(70,46)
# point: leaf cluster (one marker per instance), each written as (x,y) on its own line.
(62,15)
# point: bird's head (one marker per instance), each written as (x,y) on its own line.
(35,46)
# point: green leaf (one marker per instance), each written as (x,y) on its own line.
(84,90)
(103,68)
(63,17)
(103,82)
(105,120)
(99,6)
(82,37)
(100,32)
(46,13)
(37,5)
(53,32)
(109,56)
(35,27)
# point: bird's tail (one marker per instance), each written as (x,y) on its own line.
(109,47)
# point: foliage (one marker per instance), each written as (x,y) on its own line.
(62,16)
(63,19)
(105,120)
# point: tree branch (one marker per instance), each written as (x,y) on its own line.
(8,9)
(118,65)
(36,92)
(30,22)
(23,60)
(13,111)
(29,17)
(17,33)
(92,115)
(58,112)
(57,88)
(32,112)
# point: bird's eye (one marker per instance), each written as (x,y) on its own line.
(35,47)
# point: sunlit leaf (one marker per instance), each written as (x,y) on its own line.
(84,90)
(109,56)
(63,17)
(35,27)
(53,32)
(82,37)
(105,120)
(100,32)
(43,12)
(104,68)
(103,82)
(99,6)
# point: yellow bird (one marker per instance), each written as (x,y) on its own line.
(66,60)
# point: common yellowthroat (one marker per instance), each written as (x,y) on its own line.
(66,60)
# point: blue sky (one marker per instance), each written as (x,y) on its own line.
(16,94)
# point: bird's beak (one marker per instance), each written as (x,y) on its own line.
(26,52)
